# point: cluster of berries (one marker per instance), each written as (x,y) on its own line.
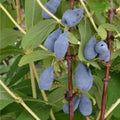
(99,49)
(84,81)
(70,18)
(57,42)
(82,102)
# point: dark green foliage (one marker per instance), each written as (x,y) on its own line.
(20,50)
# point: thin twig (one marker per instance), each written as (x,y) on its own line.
(118,35)
(70,87)
(44,48)
(11,18)
(33,82)
(19,100)
(103,103)
(71,113)
(13,3)
(107,78)
(112,108)
(19,19)
(87,118)
(4,62)
(42,91)
(89,15)
(47,11)
(98,116)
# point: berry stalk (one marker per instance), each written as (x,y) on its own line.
(69,61)
(111,13)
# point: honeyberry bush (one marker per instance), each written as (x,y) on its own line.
(24,58)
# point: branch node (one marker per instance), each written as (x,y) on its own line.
(106,79)
(69,97)
(70,57)
(112,12)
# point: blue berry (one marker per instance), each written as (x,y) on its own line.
(66,108)
(105,57)
(72,17)
(83,77)
(61,45)
(46,78)
(76,102)
(103,51)
(52,6)
(50,41)
(90,52)
(85,106)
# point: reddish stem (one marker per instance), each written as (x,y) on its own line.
(69,61)
(87,118)
(71,113)
(72,4)
(107,78)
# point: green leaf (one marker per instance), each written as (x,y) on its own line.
(102,32)
(9,51)
(5,22)
(3,69)
(117,43)
(77,115)
(86,32)
(113,93)
(37,34)
(98,5)
(116,63)
(12,108)
(13,69)
(56,98)
(94,64)
(34,56)
(5,98)
(109,27)
(5,102)
(99,18)
(41,110)
(8,116)
(18,74)
(72,39)
(98,87)
(32,12)
(8,36)
(1,1)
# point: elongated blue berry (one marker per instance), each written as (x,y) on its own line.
(85,106)
(52,6)
(46,78)
(83,77)
(61,45)
(103,51)
(76,102)
(72,17)
(50,41)
(89,51)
